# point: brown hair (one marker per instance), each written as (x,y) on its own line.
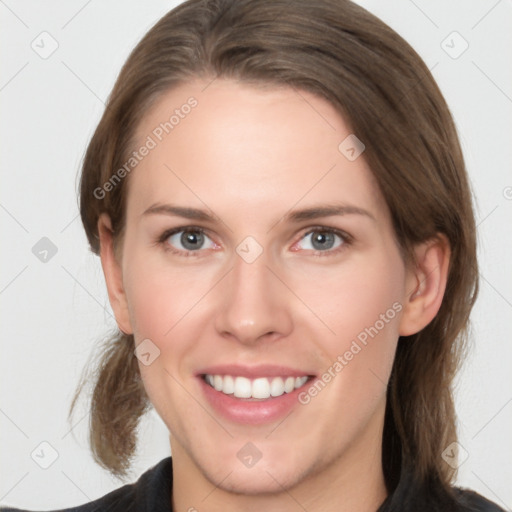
(336,50)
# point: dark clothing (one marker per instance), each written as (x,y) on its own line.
(152,493)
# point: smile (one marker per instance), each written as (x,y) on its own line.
(261,388)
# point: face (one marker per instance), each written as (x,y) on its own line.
(261,277)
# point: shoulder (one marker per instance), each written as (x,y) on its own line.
(150,493)
(470,501)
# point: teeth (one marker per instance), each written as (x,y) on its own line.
(228,385)
(217,382)
(277,386)
(242,387)
(289,384)
(261,388)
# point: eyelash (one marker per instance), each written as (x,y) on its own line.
(347,240)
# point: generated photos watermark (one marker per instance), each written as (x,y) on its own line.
(152,140)
(357,345)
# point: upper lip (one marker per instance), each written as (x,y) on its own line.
(261,370)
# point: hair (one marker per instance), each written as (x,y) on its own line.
(338,51)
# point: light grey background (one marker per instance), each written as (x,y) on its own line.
(53,312)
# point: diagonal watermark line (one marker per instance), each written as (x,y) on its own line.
(69,223)
(76,14)
(491,80)
(503,407)
(13,218)
(14,76)
(217,217)
(88,88)
(11,489)
(495,289)
(286,491)
(87,291)
(486,14)
(13,423)
(208,84)
(301,300)
(199,403)
(312,107)
(495,495)
(280,423)
(488,215)
(377,377)
(81,490)
(75,425)
(216,487)
(13,279)
(13,13)
(424,13)
(198,301)
(299,200)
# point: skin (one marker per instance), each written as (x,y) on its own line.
(250,155)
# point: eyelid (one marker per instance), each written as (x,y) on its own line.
(162,240)
(340,232)
(172,231)
(346,238)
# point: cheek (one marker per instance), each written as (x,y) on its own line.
(149,303)
(164,303)
(361,304)
(160,295)
(365,294)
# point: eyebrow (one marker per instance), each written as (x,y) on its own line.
(311,213)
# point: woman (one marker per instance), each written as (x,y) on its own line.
(284,221)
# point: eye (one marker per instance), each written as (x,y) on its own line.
(185,240)
(188,240)
(323,240)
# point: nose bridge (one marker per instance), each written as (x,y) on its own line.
(253,302)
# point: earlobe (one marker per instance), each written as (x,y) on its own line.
(113,274)
(426,282)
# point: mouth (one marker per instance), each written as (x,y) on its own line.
(253,395)
(260,388)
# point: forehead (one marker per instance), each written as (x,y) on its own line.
(229,144)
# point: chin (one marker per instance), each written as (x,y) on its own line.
(264,478)
(257,482)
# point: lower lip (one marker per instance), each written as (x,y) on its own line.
(250,411)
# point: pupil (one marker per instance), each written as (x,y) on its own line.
(192,240)
(323,240)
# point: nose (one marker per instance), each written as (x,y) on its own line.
(253,304)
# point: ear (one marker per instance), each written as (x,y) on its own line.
(113,274)
(426,284)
